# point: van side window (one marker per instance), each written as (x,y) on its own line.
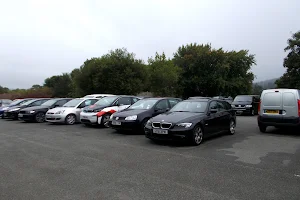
(289,99)
(221,106)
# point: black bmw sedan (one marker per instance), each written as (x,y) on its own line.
(37,113)
(135,117)
(193,120)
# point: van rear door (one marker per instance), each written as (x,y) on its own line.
(290,104)
(271,104)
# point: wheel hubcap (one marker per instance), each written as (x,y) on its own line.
(40,117)
(198,135)
(106,121)
(71,119)
(232,127)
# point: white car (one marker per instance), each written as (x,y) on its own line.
(99,96)
(100,112)
(69,113)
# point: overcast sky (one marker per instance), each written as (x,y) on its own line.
(41,38)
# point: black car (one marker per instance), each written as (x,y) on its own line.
(16,102)
(136,116)
(100,112)
(192,120)
(37,113)
(12,113)
(246,104)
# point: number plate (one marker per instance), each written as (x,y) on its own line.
(20,115)
(272,111)
(116,123)
(160,131)
(84,117)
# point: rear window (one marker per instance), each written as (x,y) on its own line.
(272,99)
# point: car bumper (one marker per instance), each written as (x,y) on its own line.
(10,115)
(279,122)
(90,118)
(26,117)
(172,135)
(55,118)
(242,110)
(126,125)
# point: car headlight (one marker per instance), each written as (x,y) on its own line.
(133,117)
(15,109)
(248,106)
(185,125)
(232,106)
(60,112)
(5,108)
(31,112)
(149,123)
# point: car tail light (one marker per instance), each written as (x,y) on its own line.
(258,108)
(299,107)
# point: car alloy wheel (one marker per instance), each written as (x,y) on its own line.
(232,127)
(197,135)
(70,119)
(105,120)
(40,117)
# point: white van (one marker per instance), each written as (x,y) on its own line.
(279,108)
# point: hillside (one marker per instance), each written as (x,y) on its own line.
(267,84)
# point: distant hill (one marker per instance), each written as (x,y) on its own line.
(267,84)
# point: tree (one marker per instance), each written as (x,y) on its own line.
(211,72)
(34,87)
(3,90)
(61,85)
(163,75)
(291,78)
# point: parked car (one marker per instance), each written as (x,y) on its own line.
(12,113)
(98,95)
(99,113)
(279,108)
(5,102)
(69,113)
(246,104)
(14,103)
(135,116)
(192,120)
(37,113)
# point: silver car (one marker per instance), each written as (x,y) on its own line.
(279,108)
(69,113)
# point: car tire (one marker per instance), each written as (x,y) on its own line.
(232,126)
(70,119)
(262,128)
(39,117)
(197,135)
(105,120)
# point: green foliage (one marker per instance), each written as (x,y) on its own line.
(291,79)
(3,90)
(210,72)
(61,85)
(34,92)
(163,75)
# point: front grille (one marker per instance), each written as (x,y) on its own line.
(88,111)
(50,113)
(22,112)
(162,125)
(119,118)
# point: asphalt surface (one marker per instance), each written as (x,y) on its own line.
(44,161)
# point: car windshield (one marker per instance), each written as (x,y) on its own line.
(72,103)
(16,102)
(243,98)
(28,102)
(190,106)
(106,101)
(144,104)
(50,102)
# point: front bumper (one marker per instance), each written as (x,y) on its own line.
(55,118)
(125,125)
(244,110)
(10,115)
(26,116)
(278,122)
(172,135)
(88,118)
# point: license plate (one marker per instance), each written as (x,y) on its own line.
(84,117)
(160,131)
(20,115)
(272,111)
(116,123)
(239,111)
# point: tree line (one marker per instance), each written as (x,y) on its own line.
(194,70)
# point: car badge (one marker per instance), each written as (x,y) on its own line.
(117,118)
